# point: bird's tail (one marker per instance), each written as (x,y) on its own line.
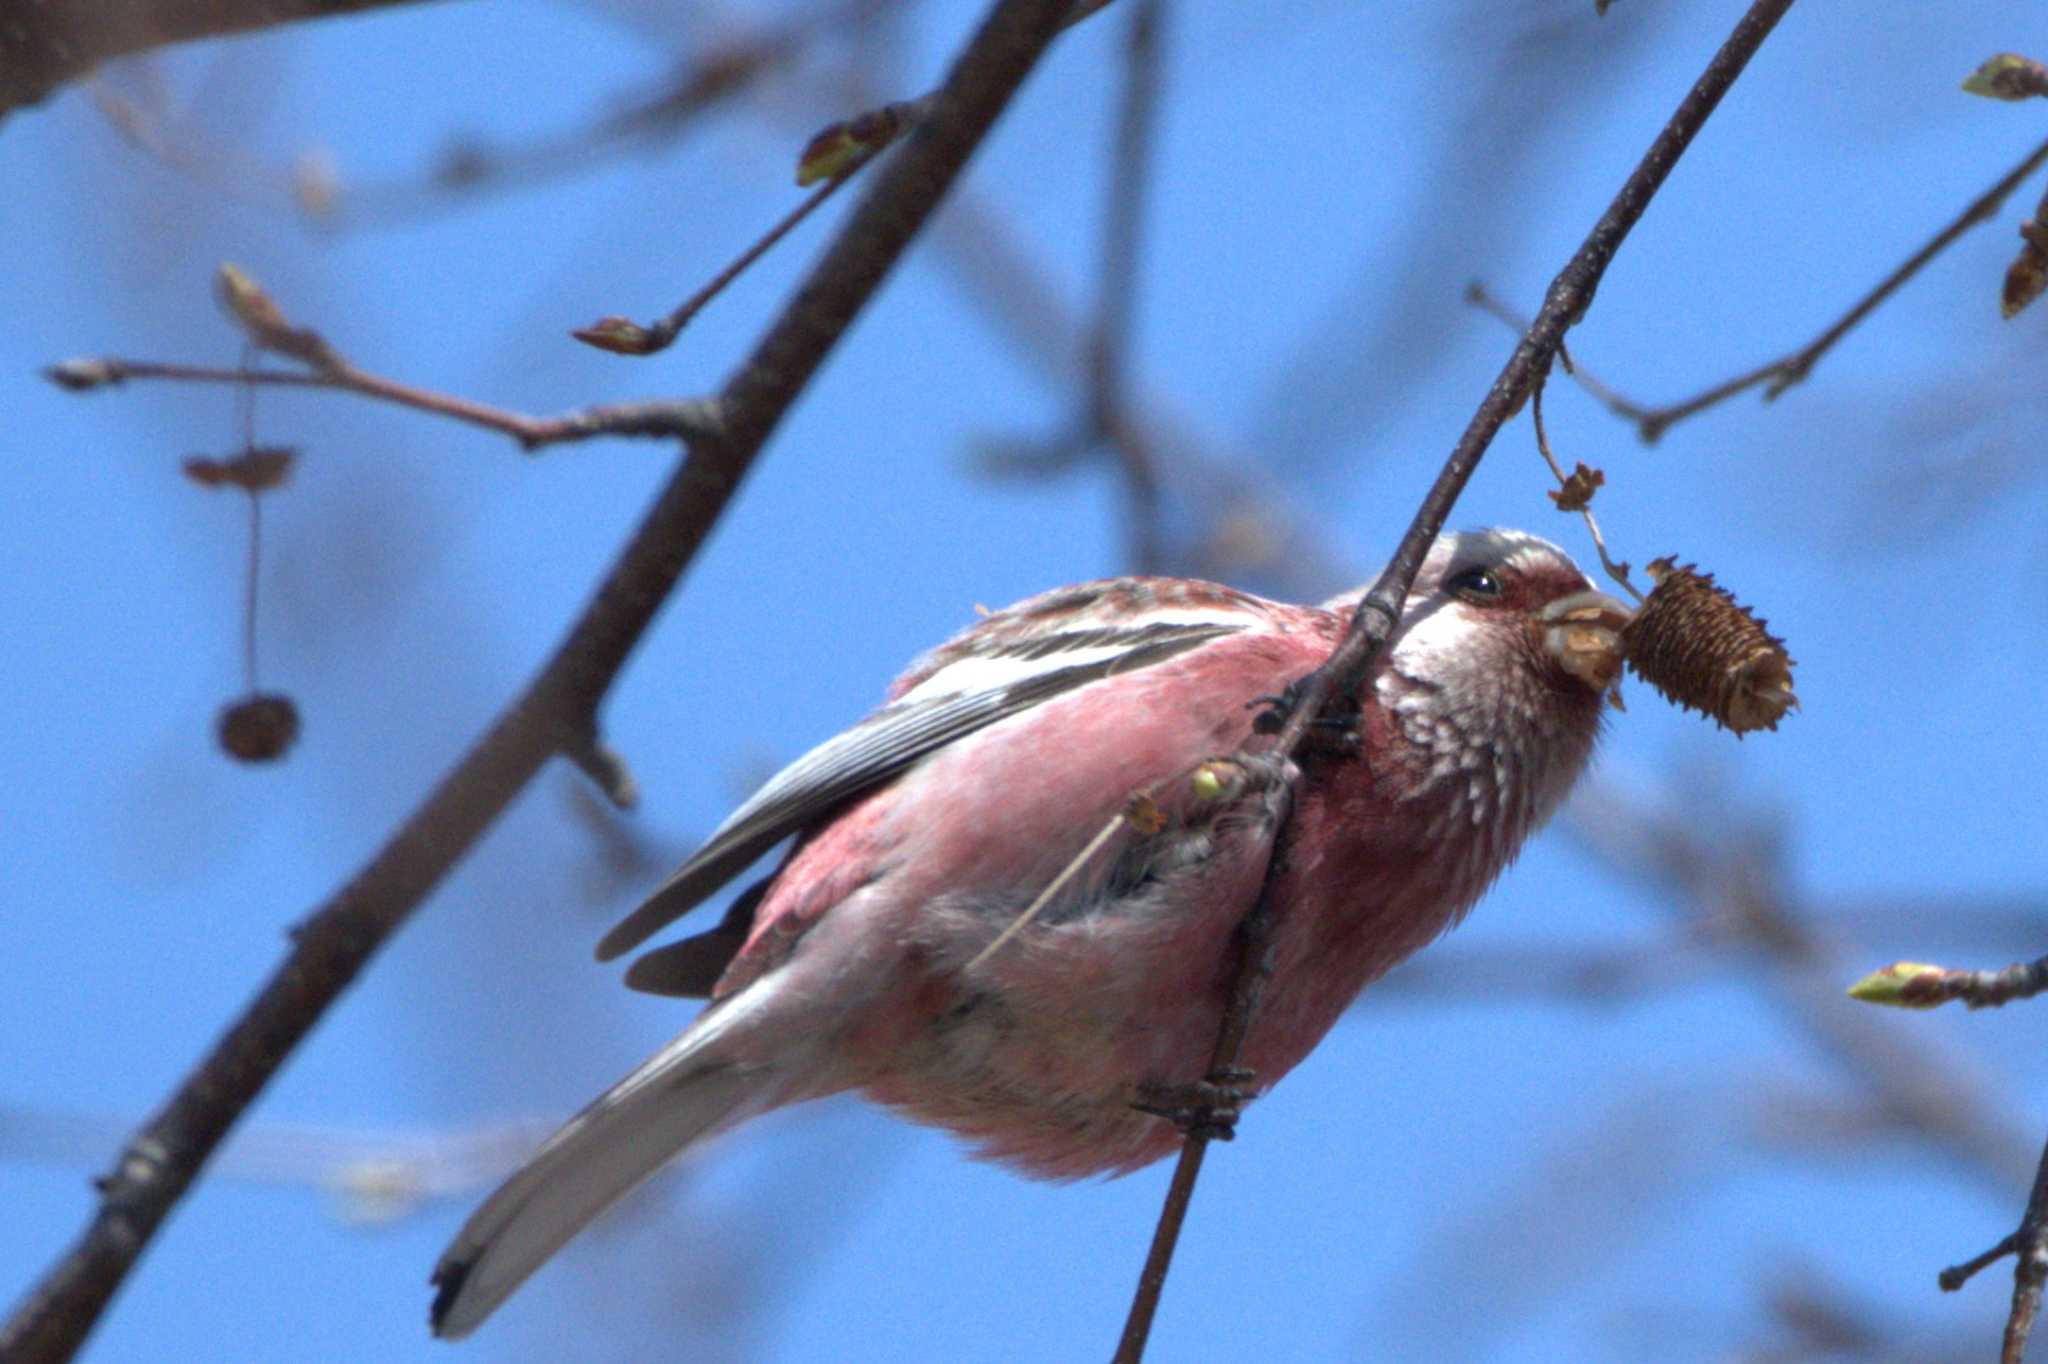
(686,1092)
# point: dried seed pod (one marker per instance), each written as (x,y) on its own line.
(1696,644)
(257,469)
(259,727)
(1577,492)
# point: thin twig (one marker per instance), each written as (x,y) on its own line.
(1917,985)
(1116,307)
(1482,298)
(836,155)
(332,946)
(1955,1276)
(1735,888)
(851,147)
(1917,1086)
(2030,1246)
(245,407)
(1618,572)
(605,333)
(1570,294)
(667,419)
(1782,373)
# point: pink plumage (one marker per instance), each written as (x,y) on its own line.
(1087,763)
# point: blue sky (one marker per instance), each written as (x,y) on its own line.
(1451,1176)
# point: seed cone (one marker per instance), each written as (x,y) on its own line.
(1696,644)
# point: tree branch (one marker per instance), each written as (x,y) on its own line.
(1570,294)
(338,940)
(43,45)
(1785,371)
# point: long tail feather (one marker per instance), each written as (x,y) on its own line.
(682,1095)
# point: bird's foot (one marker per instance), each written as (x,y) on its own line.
(1332,734)
(1206,1108)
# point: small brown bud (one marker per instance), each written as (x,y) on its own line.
(264,322)
(1696,644)
(620,336)
(259,727)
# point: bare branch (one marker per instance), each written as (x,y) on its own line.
(1483,298)
(833,156)
(682,419)
(338,940)
(623,336)
(1955,1276)
(1567,300)
(1733,888)
(1782,373)
(42,46)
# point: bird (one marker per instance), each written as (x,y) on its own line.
(1010,900)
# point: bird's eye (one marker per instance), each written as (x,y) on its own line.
(1476,584)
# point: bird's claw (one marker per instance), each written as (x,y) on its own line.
(1332,734)
(1207,1108)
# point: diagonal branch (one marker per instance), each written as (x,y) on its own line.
(1567,300)
(42,45)
(1782,373)
(338,940)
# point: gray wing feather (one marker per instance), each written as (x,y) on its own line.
(861,759)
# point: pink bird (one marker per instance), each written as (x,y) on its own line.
(1009,908)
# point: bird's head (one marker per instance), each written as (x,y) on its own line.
(1502,634)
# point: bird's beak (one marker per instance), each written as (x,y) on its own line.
(1582,633)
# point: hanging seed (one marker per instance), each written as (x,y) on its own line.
(259,727)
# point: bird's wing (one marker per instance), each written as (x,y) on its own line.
(965,692)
